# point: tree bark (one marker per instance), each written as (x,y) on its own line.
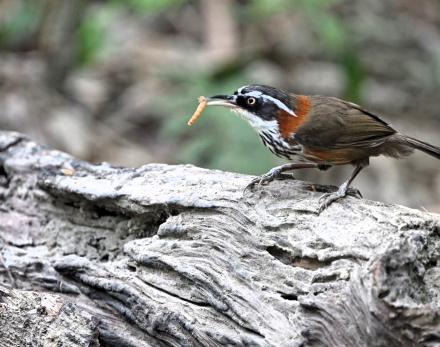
(95,255)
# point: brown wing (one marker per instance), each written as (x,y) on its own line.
(337,124)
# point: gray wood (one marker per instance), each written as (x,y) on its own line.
(94,255)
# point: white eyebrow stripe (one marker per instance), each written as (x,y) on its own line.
(277,102)
(241,89)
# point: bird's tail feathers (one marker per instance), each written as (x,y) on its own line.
(421,146)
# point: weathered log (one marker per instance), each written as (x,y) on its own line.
(95,255)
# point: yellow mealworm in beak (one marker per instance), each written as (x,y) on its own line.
(202,105)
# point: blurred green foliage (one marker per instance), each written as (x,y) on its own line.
(90,37)
(233,142)
(263,8)
(221,140)
(20,22)
(148,6)
(330,32)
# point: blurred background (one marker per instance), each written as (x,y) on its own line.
(116,80)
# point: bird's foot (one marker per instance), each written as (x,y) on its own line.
(328,198)
(355,193)
(273,174)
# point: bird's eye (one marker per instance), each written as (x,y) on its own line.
(251,101)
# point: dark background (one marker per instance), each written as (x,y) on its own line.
(116,81)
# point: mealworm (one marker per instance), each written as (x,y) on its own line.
(202,105)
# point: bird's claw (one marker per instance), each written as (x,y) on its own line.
(328,198)
(263,179)
(355,193)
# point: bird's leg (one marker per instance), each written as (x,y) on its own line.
(278,172)
(327,199)
(289,175)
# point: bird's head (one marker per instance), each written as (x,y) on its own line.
(262,106)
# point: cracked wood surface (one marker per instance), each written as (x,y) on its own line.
(94,255)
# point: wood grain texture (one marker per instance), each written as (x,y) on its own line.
(176,256)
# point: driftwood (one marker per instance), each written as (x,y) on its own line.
(94,255)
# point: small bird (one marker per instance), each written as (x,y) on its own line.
(317,132)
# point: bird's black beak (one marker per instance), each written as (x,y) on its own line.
(222,100)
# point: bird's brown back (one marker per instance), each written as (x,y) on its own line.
(340,132)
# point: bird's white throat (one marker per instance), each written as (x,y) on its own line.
(260,125)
